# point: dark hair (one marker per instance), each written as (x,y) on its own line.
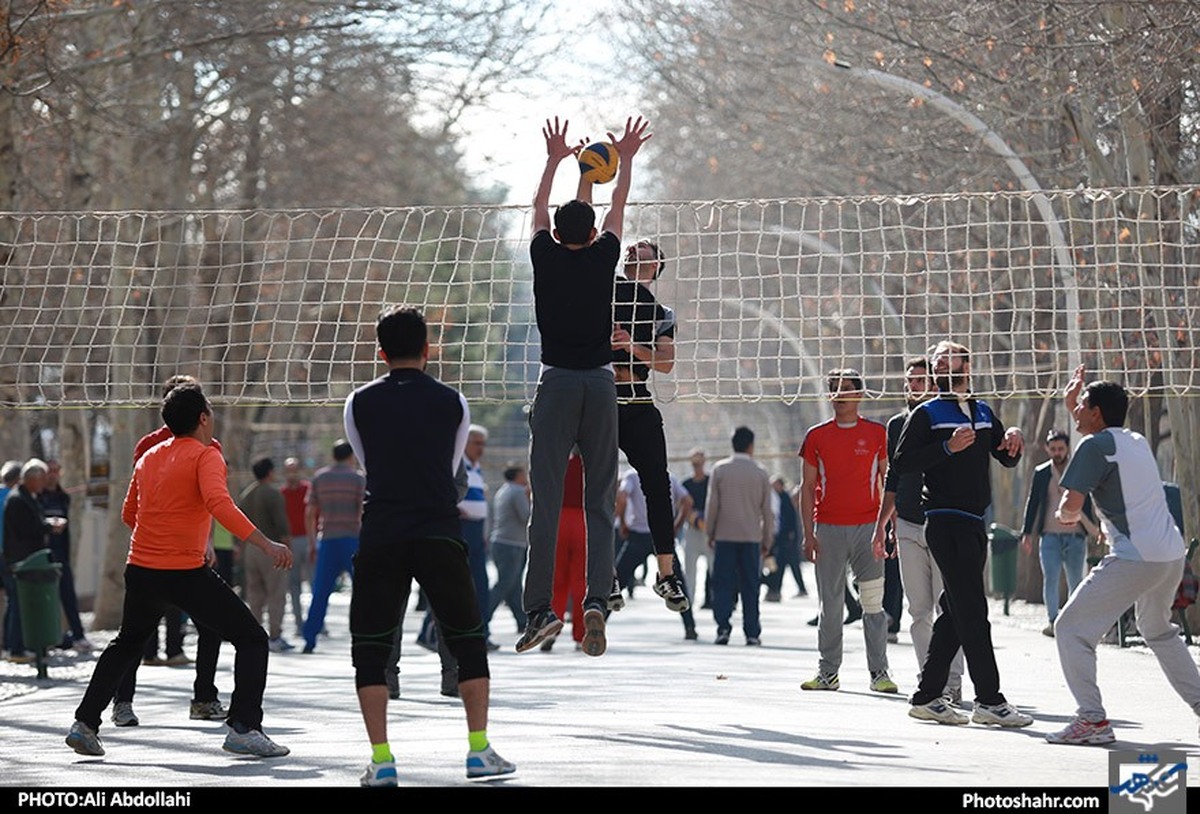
(574,221)
(743,437)
(342,451)
(402,333)
(658,254)
(262,468)
(182,408)
(1057,435)
(845,373)
(176,380)
(952,348)
(917,361)
(1112,400)
(510,473)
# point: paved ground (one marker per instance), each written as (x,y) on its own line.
(654,711)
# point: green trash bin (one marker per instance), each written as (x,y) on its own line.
(1004,561)
(37,595)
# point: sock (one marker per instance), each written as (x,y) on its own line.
(381,752)
(478,740)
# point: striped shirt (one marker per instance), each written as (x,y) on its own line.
(474,505)
(337,491)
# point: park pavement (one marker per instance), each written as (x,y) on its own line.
(654,711)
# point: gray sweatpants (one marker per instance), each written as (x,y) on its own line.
(841,546)
(572,408)
(1106,593)
(922,583)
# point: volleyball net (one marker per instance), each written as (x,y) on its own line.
(279,307)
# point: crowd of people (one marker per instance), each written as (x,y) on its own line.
(888,510)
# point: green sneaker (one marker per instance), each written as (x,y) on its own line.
(882,682)
(822,682)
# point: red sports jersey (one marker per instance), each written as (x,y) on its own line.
(848,461)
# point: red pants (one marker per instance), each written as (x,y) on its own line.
(570,569)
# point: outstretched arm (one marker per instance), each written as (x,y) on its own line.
(627,147)
(1073,389)
(584,191)
(556,150)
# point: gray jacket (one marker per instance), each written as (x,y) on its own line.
(739,505)
(510,515)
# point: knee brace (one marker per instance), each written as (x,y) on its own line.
(870,594)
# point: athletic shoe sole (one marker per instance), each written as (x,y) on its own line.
(549,630)
(594,642)
(1091,740)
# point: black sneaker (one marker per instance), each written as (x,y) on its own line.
(542,625)
(616,599)
(671,590)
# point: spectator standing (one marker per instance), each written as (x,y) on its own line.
(740,524)
(266,585)
(333,518)
(510,543)
(56,502)
(295,495)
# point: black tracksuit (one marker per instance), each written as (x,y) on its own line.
(956,494)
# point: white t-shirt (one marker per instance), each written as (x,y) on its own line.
(1117,467)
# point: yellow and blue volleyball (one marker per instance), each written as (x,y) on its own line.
(598,162)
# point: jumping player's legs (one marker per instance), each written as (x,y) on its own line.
(641,438)
(553,423)
(597,440)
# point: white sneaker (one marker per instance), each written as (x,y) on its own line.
(937,710)
(1000,715)
(379,774)
(1084,733)
(486,763)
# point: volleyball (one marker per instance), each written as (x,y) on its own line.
(598,162)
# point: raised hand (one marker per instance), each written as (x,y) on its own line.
(635,136)
(1074,388)
(556,139)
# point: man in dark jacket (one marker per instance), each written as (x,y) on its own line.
(25,531)
(1062,548)
(951,440)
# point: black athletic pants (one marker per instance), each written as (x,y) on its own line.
(640,436)
(383,573)
(205,597)
(958,544)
